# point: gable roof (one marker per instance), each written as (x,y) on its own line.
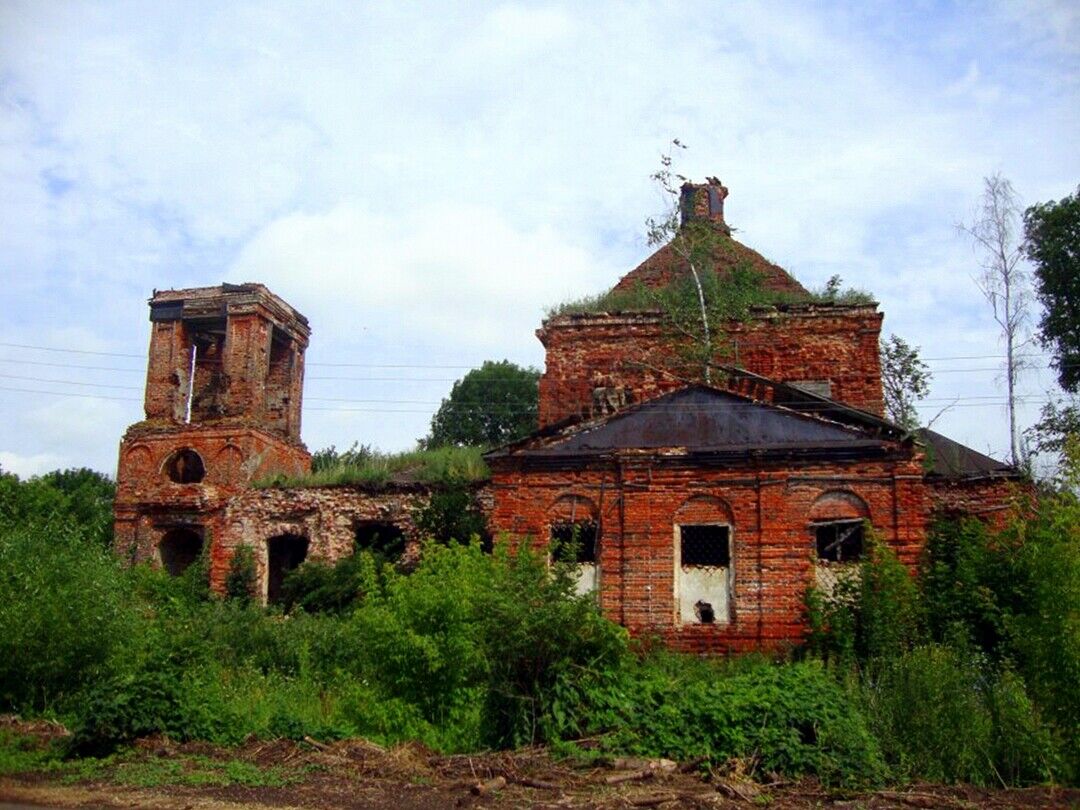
(950,459)
(702,422)
(665,265)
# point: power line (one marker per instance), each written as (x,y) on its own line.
(70,382)
(69,351)
(70,365)
(63,394)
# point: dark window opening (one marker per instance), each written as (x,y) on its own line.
(574,542)
(384,540)
(211,383)
(839,542)
(284,553)
(705,546)
(178,549)
(185,467)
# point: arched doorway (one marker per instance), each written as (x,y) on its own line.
(283,553)
(178,549)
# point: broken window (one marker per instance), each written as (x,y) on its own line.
(705,546)
(384,540)
(839,541)
(703,578)
(283,553)
(178,549)
(208,389)
(185,467)
(574,542)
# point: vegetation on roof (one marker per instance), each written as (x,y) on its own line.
(363,465)
(738,290)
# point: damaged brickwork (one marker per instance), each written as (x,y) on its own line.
(695,514)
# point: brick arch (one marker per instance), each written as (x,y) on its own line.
(138,461)
(228,463)
(571,507)
(705,509)
(839,504)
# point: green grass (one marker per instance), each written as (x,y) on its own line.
(443,465)
(681,295)
(21,754)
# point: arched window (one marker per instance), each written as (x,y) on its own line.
(703,560)
(185,466)
(574,535)
(837,519)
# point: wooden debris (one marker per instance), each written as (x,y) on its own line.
(540,784)
(743,789)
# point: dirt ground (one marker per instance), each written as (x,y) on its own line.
(359,774)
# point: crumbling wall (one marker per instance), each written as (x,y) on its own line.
(328,517)
(598,363)
(772,537)
(995,499)
(149,501)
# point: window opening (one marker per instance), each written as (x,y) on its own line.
(178,549)
(284,553)
(384,540)
(208,381)
(840,541)
(705,546)
(185,467)
(574,542)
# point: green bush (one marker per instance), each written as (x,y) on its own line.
(945,716)
(792,719)
(66,614)
(316,586)
(873,614)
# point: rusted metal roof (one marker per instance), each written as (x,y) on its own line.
(950,459)
(701,421)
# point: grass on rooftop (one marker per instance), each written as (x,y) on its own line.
(442,465)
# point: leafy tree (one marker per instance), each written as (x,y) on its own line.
(905,380)
(1052,243)
(995,233)
(694,242)
(490,405)
(82,495)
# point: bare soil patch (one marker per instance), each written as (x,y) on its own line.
(360,774)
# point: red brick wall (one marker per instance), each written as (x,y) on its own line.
(148,501)
(773,543)
(995,500)
(632,356)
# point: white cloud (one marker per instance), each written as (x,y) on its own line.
(27,466)
(421,181)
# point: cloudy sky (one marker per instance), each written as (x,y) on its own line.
(420,180)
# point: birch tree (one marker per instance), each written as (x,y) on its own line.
(995,232)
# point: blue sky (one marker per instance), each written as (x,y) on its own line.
(421,181)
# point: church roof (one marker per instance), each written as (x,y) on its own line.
(666,265)
(706,423)
(950,459)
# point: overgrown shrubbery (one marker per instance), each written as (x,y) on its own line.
(974,675)
(970,672)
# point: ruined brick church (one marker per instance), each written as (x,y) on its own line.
(698,513)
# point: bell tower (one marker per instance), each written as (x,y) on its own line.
(224,388)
